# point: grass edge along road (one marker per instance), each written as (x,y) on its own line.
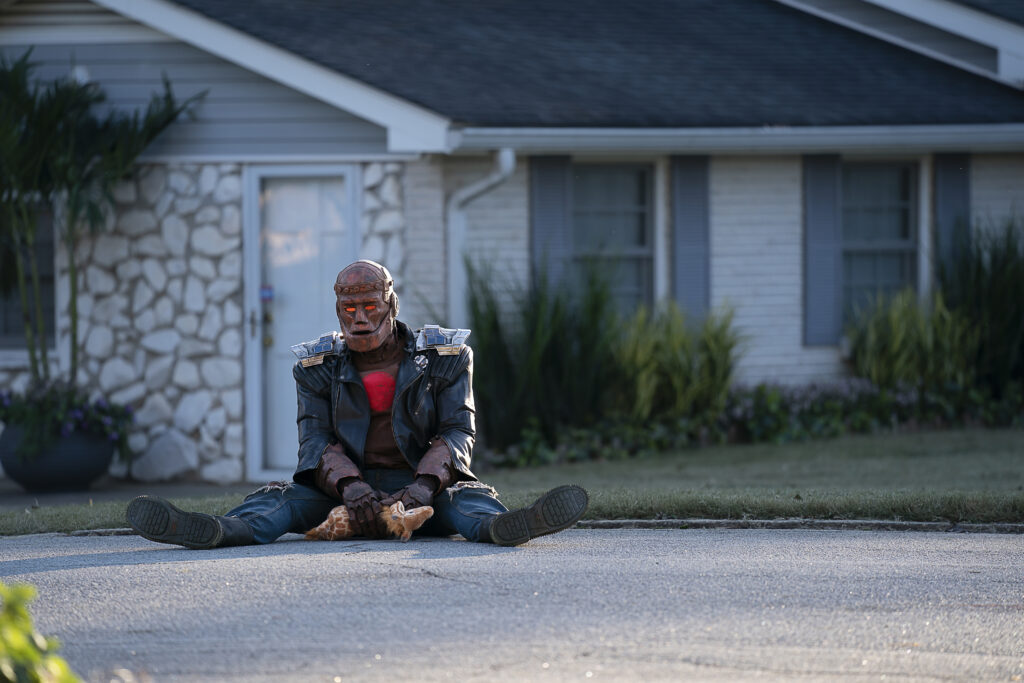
(969,475)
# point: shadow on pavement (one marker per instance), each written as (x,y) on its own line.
(63,555)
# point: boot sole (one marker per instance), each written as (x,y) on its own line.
(158,520)
(556,510)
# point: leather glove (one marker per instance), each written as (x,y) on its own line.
(364,508)
(437,462)
(417,494)
(334,467)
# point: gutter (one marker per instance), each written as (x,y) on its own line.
(455,217)
(998,137)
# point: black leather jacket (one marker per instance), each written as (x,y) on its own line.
(433,397)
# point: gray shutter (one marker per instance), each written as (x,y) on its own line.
(823,250)
(551,216)
(691,235)
(952,205)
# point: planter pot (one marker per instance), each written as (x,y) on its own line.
(68,463)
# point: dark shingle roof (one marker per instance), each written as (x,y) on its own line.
(1013,10)
(653,63)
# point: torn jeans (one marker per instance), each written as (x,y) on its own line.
(465,508)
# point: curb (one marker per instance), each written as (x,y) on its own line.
(795,523)
(798,523)
(103,532)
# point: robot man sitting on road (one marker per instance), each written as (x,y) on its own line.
(384,415)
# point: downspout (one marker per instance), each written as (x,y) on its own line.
(455,213)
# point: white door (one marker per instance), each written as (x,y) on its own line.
(308,231)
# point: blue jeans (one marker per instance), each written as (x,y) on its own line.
(465,508)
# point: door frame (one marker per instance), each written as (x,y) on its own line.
(256,469)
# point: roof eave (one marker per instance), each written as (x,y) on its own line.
(1003,137)
(410,128)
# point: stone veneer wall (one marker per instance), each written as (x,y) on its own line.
(162,323)
(383,221)
(161,310)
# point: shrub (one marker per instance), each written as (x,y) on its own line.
(774,413)
(900,341)
(984,283)
(25,655)
(673,371)
(781,413)
(550,359)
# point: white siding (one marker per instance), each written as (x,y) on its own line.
(38,22)
(423,295)
(757,267)
(243,116)
(497,222)
(997,189)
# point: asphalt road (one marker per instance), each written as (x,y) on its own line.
(580,605)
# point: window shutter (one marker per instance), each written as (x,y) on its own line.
(691,235)
(952,205)
(551,217)
(823,253)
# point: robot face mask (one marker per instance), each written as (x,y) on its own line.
(366,305)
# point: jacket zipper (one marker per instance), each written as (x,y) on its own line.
(423,398)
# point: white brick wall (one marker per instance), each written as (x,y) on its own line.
(497,222)
(757,267)
(423,296)
(997,188)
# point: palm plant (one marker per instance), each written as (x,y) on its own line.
(56,151)
(29,113)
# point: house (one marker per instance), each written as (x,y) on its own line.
(784,157)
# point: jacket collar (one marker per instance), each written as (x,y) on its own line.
(407,369)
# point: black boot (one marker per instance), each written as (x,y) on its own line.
(156,519)
(558,509)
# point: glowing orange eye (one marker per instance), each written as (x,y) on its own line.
(371,307)
(350,309)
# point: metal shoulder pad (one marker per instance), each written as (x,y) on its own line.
(445,341)
(314,351)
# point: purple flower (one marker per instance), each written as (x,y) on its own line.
(107,420)
(101,403)
(114,436)
(66,429)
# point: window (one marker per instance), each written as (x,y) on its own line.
(612,227)
(879,232)
(12,329)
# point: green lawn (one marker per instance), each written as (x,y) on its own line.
(962,475)
(961,460)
